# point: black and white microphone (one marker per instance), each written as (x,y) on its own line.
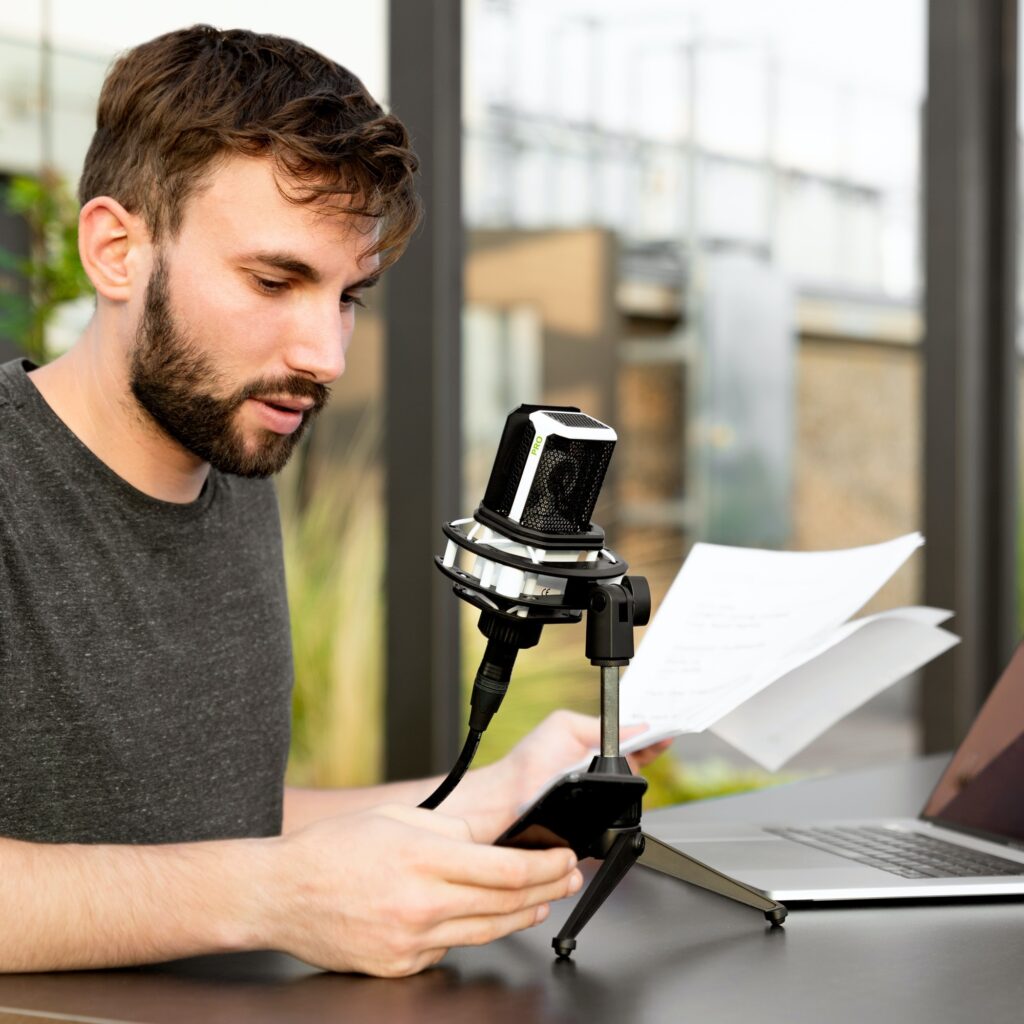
(529,553)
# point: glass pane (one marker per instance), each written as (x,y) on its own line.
(712,212)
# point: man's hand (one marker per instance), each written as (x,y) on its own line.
(388,891)
(563,739)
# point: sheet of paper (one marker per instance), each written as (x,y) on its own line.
(786,716)
(803,654)
(733,613)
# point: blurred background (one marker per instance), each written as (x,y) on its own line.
(719,225)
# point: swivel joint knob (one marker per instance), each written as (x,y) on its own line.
(638,587)
(611,615)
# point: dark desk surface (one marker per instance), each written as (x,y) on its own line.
(657,951)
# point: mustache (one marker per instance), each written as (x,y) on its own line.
(294,386)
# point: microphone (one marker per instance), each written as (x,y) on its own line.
(547,475)
(529,553)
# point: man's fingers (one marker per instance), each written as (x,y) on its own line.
(627,732)
(478,901)
(454,857)
(499,867)
(645,755)
(586,728)
(475,931)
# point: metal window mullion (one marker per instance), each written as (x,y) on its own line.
(423,398)
(970,401)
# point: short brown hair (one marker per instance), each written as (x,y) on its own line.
(171,107)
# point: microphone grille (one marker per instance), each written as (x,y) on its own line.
(567,484)
(575,419)
(558,495)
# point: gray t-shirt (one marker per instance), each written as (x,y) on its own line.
(145,651)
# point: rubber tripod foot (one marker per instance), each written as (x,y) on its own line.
(776,916)
(563,947)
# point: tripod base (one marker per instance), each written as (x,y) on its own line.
(628,846)
(669,861)
(625,849)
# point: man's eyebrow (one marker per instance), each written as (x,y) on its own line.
(367,282)
(293,265)
(285,262)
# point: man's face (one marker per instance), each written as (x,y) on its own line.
(246,318)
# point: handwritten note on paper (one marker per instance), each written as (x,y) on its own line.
(733,615)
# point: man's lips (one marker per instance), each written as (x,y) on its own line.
(282,416)
(292,404)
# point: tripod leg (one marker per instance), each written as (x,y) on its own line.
(670,861)
(620,858)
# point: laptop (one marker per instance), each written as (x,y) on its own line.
(968,839)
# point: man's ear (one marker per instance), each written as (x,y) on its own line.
(109,243)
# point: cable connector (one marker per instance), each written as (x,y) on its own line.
(491,683)
(506,637)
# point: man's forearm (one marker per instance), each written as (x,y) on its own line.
(80,906)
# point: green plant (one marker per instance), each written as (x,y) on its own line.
(334,554)
(51,274)
(671,781)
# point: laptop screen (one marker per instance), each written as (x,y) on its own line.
(981,789)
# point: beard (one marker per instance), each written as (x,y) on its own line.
(178,386)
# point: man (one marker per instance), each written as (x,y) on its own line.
(239,195)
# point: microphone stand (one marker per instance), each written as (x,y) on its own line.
(612,612)
(614,604)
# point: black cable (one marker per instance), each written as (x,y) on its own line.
(454,777)
(506,636)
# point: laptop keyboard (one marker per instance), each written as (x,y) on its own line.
(907,854)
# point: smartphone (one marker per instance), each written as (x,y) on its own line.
(576,812)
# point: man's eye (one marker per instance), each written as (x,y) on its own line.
(270,286)
(348,299)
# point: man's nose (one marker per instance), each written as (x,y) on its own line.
(319,348)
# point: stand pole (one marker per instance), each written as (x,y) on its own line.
(609,710)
